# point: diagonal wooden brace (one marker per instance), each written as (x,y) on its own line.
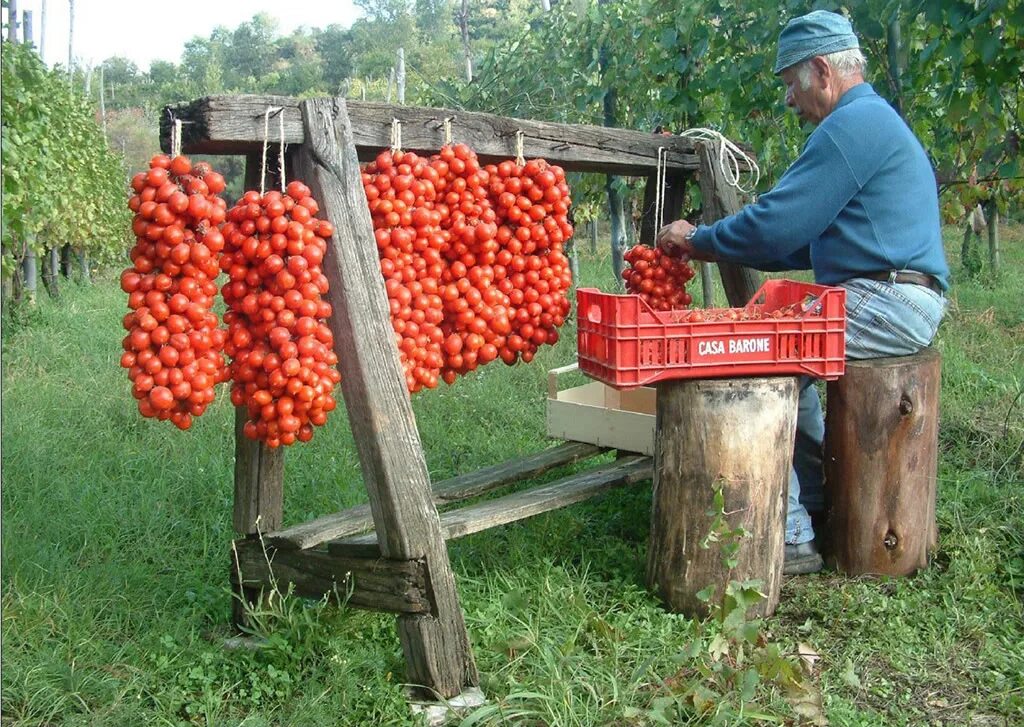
(436,645)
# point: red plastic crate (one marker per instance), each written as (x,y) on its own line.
(624,342)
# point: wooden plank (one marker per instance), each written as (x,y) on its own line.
(234,125)
(359,519)
(718,200)
(259,470)
(490,478)
(436,646)
(521,505)
(396,586)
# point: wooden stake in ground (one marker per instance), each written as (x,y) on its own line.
(881,455)
(735,435)
(436,646)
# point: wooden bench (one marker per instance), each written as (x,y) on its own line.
(881,454)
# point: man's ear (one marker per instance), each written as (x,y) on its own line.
(822,70)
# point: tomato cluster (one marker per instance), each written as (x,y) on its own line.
(173,350)
(471,258)
(657,278)
(283,362)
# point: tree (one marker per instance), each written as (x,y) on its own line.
(61,183)
(334,45)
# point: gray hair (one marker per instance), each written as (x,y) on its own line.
(845,62)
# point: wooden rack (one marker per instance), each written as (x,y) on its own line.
(390,555)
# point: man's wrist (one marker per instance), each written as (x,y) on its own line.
(689,235)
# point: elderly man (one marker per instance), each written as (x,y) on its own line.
(859,208)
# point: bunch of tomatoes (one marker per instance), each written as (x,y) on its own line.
(471,257)
(658,278)
(173,350)
(283,366)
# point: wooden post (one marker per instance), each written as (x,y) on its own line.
(50,273)
(881,455)
(436,646)
(65,260)
(718,200)
(28,271)
(12,21)
(400,77)
(103,104)
(71,41)
(42,31)
(707,288)
(733,434)
(259,470)
(27,30)
(993,236)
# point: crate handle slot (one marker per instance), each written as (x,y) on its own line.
(594,313)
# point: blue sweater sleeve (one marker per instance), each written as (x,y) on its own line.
(775,233)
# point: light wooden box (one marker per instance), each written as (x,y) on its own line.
(601,415)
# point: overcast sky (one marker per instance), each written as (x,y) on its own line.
(144,31)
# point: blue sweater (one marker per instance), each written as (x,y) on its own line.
(860,198)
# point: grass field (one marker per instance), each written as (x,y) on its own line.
(115,552)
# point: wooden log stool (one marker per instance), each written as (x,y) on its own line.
(881,455)
(733,434)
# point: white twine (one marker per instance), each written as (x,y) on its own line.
(659,188)
(396,135)
(176,138)
(448,130)
(280,127)
(266,141)
(729,156)
(520,160)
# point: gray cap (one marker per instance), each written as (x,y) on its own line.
(815,34)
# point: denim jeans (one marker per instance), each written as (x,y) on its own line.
(882,319)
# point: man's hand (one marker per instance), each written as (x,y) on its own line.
(672,241)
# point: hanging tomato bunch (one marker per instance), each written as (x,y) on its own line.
(658,278)
(283,366)
(173,350)
(472,258)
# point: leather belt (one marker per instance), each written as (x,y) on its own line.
(905,277)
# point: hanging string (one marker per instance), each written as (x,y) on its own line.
(520,160)
(280,127)
(729,157)
(266,141)
(396,135)
(448,130)
(659,188)
(176,138)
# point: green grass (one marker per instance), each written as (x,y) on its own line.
(116,535)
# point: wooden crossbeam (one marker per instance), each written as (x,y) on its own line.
(396,586)
(527,503)
(359,519)
(235,125)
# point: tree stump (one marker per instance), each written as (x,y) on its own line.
(736,435)
(881,455)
